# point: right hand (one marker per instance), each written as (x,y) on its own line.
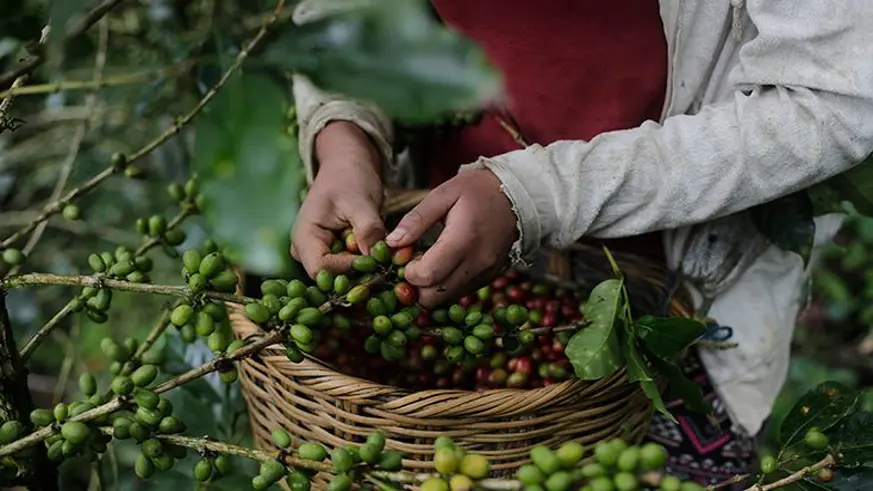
(347,192)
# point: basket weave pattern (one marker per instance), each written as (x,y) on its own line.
(316,403)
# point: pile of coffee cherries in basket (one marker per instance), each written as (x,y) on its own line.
(511,333)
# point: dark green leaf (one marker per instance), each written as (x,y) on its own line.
(638,371)
(853,437)
(788,223)
(390,52)
(678,385)
(844,480)
(668,336)
(61,15)
(855,186)
(821,407)
(251,172)
(595,351)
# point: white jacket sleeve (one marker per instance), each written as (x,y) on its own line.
(802,111)
(316,108)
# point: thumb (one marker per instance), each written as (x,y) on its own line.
(367,226)
(425,215)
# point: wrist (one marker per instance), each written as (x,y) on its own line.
(342,143)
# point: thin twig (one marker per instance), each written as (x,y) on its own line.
(795,477)
(88,20)
(44,331)
(67,365)
(78,138)
(20,79)
(68,85)
(37,279)
(57,205)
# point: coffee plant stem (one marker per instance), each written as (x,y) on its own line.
(115,404)
(76,144)
(187,211)
(49,326)
(88,20)
(19,79)
(56,206)
(35,279)
(795,477)
(44,331)
(79,84)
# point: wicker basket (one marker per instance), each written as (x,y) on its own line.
(315,403)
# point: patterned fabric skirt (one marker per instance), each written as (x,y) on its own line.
(704,449)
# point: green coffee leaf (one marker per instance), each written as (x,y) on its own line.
(822,407)
(594,351)
(390,52)
(666,337)
(788,223)
(853,437)
(638,371)
(250,172)
(678,385)
(844,480)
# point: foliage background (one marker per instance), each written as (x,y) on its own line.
(199,39)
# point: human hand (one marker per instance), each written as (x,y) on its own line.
(347,192)
(480,228)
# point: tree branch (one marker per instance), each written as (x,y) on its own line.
(36,279)
(56,206)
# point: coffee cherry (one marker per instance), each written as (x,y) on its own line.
(446,461)
(382,325)
(169,425)
(628,460)
(358,294)
(653,456)
(402,256)
(340,482)
(229,376)
(483,332)
(559,481)
(475,466)
(371,454)
(625,481)
(474,345)
(87,384)
(691,486)
(312,451)
(122,386)
(225,282)
(324,280)
(516,315)
(768,464)
(144,375)
(670,483)
(406,294)
(211,265)
(435,484)
(257,313)
(606,454)
(365,264)
(460,482)
(569,454)
(341,284)
(530,475)
(181,315)
(42,417)
(293,354)
(602,483)
(144,467)
(457,314)
(816,439)
(75,432)
(391,461)
(381,252)
(545,459)
(825,475)
(281,438)
(342,460)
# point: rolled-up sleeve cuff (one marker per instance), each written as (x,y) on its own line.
(341,110)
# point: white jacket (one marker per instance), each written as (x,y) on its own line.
(764,98)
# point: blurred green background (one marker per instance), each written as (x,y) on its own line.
(248,126)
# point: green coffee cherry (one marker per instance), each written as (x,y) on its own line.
(144,375)
(87,384)
(10,431)
(75,432)
(257,313)
(324,280)
(475,466)
(144,467)
(281,438)
(816,439)
(203,470)
(342,460)
(340,482)
(211,265)
(365,264)
(312,451)
(545,459)
(42,417)
(225,281)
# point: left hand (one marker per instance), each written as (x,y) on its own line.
(480,228)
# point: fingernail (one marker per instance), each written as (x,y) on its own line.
(396,235)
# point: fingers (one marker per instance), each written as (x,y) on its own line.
(457,284)
(439,261)
(312,249)
(367,226)
(425,215)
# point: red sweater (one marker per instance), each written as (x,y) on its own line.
(571,69)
